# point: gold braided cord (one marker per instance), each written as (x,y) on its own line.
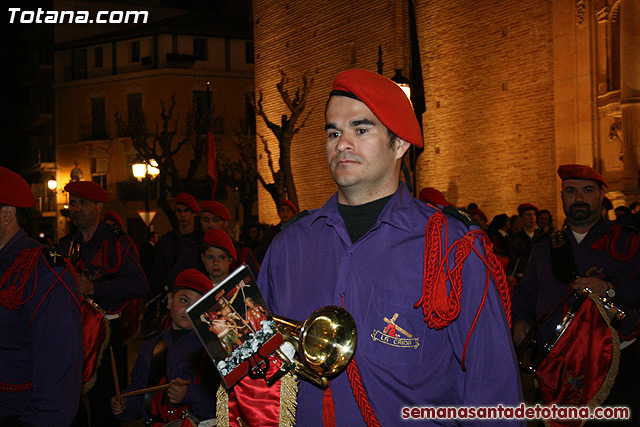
(288,400)
(222,407)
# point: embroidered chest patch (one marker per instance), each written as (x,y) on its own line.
(394,335)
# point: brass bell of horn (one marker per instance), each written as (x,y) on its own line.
(325,344)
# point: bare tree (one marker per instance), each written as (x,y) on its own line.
(162,145)
(283,185)
(240,171)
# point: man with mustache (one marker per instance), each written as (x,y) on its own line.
(370,237)
(109,272)
(603,257)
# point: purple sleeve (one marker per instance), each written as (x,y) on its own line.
(484,341)
(202,399)
(57,348)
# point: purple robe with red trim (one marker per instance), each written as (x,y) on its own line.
(40,342)
(313,263)
(111,262)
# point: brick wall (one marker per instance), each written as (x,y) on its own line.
(487,68)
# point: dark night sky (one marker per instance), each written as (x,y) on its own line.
(13,96)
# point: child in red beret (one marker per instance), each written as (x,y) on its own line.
(218,254)
(189,390)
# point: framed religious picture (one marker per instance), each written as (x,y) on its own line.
(235,326)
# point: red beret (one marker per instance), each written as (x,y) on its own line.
(290,204)
(189,201)
(216,208)
(113,217)
(14,190)
(526,207)
(580,172)
(385,99)
(87,190)
(194,280)
(220,239)
(433,196)
(478,212)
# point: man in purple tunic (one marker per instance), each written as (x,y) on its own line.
(40,321)
(109,272)
(173,243)
(365,250)
(603,257)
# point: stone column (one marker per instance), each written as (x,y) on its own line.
(630,83)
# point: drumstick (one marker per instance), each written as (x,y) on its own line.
(150,389)
(114,370)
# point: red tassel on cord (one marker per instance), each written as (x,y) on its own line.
(328,408)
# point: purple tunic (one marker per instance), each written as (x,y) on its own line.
(539,291)
(41,342)
(111,261)
(183,360)
(169,248)
(312,263)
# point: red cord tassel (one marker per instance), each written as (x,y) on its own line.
(328,408)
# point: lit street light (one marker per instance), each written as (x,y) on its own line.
(145,171)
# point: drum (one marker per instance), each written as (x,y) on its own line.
(96,338)
(579,363)
(613,315)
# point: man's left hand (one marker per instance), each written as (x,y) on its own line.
(85,285)
(598,286)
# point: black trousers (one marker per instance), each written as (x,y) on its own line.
(626,388)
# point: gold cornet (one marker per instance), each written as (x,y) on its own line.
(325,344)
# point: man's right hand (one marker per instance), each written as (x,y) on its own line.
(118,406)
(520,329)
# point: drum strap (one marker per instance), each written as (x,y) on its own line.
(157,370)
(563,261)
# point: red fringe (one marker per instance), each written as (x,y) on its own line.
(13,388)
(16,276)
(439,308)
(361,396)
(328,408)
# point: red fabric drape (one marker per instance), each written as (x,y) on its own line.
(580,369)
(96,336)
(255,402)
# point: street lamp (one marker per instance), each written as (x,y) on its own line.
(143,171)
(139,170)
(403,82)
(405,85)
